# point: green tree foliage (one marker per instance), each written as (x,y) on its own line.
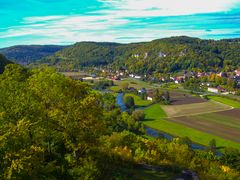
(157,96)
(231,157)
(129,102)
(102,84)
(3,63)
(159,56)
(212,147)
(53,127)
(138,115)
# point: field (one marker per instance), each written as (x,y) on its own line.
(156,119)
(178,98)
(226,101)
(75,74)
(194,109)
(200,121)
(225,124)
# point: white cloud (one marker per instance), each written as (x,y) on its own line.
(111,23)
(55,29)
(151,8)
(37,19)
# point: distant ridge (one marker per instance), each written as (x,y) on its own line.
(26,54)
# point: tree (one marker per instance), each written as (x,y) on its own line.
(138,115)
(157,96)
(45,118)
(212,146)
(143,95)
(129,102)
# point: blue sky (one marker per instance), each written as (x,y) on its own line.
(69,21)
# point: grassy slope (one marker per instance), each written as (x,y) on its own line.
(226,101)
(155,119)
(132,83)
(138,101)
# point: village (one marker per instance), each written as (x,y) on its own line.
(222,83)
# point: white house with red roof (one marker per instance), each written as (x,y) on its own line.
(237,71)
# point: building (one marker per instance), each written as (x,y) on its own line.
(137,77)
(222,74)
(179,79)
(143,90)
(213,90)
(150,94)
(149,98)
(237,71)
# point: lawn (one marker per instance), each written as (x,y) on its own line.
(226,101)
(138,84)
(155,119)
(138,101)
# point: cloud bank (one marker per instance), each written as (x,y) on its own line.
(127,21)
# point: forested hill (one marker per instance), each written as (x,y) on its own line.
(28,54)
(3,63)
(88,54)
(164,55)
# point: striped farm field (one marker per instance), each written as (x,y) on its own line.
(194,109)
(201,122)
(225,124)
(229,102)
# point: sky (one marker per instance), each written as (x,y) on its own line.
(69,21)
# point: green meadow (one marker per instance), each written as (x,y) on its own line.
(155,118)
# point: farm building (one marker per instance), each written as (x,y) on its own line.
(150,95)
(237,71)
(213,90)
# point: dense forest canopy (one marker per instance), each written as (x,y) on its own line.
(3,63)
(167,55)
(53,127)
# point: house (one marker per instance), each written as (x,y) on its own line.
(149,98)
(150,94)
(136,55)
(93,75)
(132,89)
(161,54)
(143,90)
(237,79)
(137,77)
(179,79)
(237,71)
(221,89)
(213,90)
(201,74)
(222,74)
